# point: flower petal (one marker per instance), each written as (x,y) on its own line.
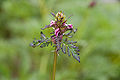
(52,23)
(70,26)
(57,31)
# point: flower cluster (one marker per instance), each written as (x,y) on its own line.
(59,37)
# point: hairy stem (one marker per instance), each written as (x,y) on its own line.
(54,65)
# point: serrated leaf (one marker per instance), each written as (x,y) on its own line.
(43,41)
(71,49)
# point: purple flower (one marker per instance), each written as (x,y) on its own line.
(52,23)
(57,31)
(92,4)
(70,26)
(64,24)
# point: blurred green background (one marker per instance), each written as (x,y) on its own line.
(98,37)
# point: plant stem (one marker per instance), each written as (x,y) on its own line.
(54,65)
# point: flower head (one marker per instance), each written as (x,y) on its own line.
(59,37)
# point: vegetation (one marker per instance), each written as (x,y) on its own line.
(97,36)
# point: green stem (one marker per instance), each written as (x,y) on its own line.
(54,65)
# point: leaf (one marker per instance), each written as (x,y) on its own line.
(43,35)
(68,33)
(53,14)
(47,26)
(71,49)
(42,42)
(68,51)
(32,45)
(43,45)
(76,57)
(69,17)
(58,44)
(75,30)
(63,49)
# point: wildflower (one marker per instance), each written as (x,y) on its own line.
(59,36)
(92,4)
